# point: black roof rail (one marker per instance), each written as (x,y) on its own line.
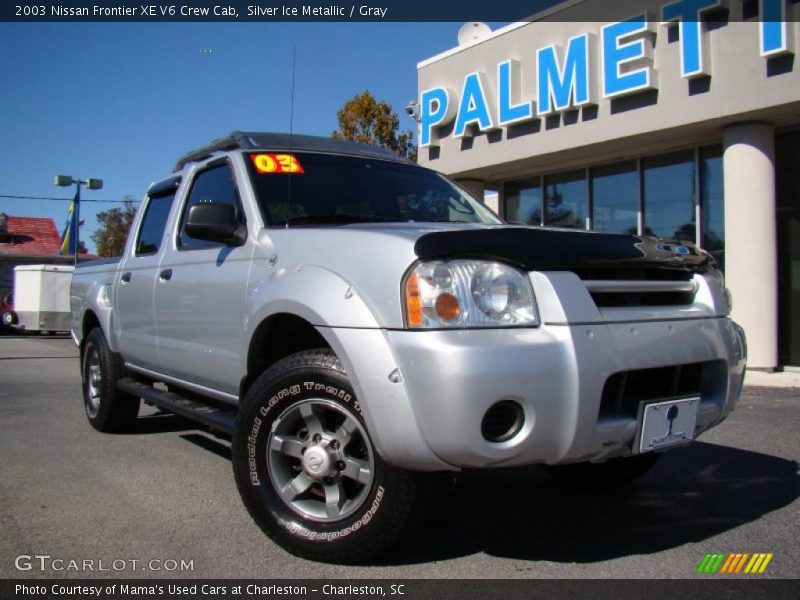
(229,142)
(285,142)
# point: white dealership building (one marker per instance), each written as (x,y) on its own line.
(681,121)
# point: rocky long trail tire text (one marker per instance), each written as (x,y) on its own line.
(307,470)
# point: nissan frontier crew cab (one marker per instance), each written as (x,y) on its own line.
(355,321)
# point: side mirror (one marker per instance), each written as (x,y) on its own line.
(215,222)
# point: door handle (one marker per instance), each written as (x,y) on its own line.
(126,277)
(165,275)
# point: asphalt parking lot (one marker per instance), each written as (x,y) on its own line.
(166,492)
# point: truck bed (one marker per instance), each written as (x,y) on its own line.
(89,264)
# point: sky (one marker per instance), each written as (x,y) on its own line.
(121,102)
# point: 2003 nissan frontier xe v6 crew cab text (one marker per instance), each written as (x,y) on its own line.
(355,321)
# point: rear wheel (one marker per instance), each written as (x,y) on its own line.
(9,318)
(107,408)
(306,466)
(614,472)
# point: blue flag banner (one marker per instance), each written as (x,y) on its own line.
(69,238)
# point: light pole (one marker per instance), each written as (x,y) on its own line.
(92,184)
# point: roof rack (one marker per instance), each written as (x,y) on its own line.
(285,142)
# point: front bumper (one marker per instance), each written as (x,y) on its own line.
(425,393)
(557,373)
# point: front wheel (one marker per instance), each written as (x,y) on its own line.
(307,469)
(614,472)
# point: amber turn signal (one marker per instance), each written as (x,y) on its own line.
(413,306)
(447,307)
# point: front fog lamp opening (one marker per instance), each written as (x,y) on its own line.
(502,421)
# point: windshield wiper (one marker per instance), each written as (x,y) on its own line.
(339,219)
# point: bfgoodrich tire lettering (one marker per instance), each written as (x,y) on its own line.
(307,469)
(107,408)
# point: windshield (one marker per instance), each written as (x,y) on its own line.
(313,189)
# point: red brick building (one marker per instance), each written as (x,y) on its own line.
(27,241)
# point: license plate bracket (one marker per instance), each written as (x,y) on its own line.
(666,423)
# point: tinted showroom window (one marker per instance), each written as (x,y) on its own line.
(524,202)
(615,198)
(669,196)
(566,197)
(713,197)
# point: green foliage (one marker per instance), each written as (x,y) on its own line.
(363,119)
(114,225)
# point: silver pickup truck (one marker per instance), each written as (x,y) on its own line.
(355,321)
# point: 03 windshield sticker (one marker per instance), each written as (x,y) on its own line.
(268,164)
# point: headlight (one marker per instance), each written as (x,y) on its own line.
(467,293)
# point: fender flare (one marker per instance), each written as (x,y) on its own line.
(98,301)
(348,324)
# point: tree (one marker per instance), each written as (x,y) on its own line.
(363,119)
(111,235)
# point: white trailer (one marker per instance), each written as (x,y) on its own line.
(41,297)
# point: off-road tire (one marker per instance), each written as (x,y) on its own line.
(108,408)
(612,473)
(315,379)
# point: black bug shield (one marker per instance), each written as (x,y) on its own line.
(536,249)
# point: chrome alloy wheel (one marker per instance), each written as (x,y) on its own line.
(321,460)
(93,383)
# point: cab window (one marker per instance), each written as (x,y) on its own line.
(154,222)
(217,185)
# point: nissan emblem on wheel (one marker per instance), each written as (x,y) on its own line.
(362,327)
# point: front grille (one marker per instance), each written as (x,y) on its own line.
(632,274)
(628,287)
(627,299)
(624,391)
(626,293)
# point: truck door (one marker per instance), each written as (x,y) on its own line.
(200,293)
(134,320)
